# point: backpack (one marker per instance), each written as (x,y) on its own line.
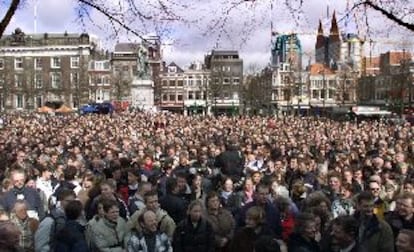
(59,221)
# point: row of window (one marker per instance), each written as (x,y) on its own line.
(55,63)
(197,96)
(55,80)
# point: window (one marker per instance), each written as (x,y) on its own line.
(18,63)
(18,80)
(56,80)
(315,94)
(198,95)
(19,101)
(236,81)
(180,97)
(164,97)
(164,83)
(39,101)
(1,64)
(38,63)
(38,81)
(74,79)
(74,62)
(1,80)
(172,69)
(55,63)
(172,97)
(226,81)
(180,83)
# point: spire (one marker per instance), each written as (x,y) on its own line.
(320,39)
(334,32)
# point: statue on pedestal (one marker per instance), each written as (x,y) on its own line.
(143,69)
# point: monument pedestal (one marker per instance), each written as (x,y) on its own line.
(142,94)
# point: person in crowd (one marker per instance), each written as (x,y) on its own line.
(174,205)
(222,221)
(405,241)
(108,189)
(403,215)
(303,237)
(110,232)
(273,220)
(149,238)
(45,181)
(136,201)
(380,207)
(26,225)
(165,222)
(45,236)
(21,192)
(374,234)
(71,238)
(255,229)
(344,205)
(344,234)
(9,237)
(195,233)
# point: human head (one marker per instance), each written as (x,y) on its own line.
(73,210)
(9,235)
(108,189)
(375,188)
(405,240)
(344,230)
(227,184)
(365,204)
(20,209)
(148,221)
(255,216)
(65,196)
(213,201)
(261,193)
(405,205)
(305,226)
(151,200)
(18,178)
(111,210)
(195,210)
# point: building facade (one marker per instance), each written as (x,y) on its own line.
(172,88)
(38,68)
(226,81)
(100,78)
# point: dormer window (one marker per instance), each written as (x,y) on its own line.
(172,69)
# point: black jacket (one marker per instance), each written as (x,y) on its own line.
(71,238)
(188,238)
(231,163)
(175,206)
(297,243)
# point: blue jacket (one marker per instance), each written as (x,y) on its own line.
(31,196)
(71,238)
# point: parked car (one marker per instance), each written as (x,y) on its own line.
(97,108)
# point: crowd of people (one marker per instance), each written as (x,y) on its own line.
(165,182)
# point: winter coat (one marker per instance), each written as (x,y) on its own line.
(223,225)
(297,243)
(175,206)
(71,238)
(31,196)
(51,224)
(190,238)
(397,222)
(244,240)
(377,236)
(93,208)
(108,236)
(165,223)
(137,243)
(273,220)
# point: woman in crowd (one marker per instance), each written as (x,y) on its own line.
(222,221)
(255,229)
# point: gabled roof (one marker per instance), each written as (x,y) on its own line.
(126,47)
(318,69)
(172,64)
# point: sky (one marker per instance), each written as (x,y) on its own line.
(192,28)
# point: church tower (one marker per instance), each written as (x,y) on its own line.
(334,48)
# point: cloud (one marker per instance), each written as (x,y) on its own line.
(208,25)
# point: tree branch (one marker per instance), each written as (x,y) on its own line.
(8,16)
(113,19)
(386,13)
